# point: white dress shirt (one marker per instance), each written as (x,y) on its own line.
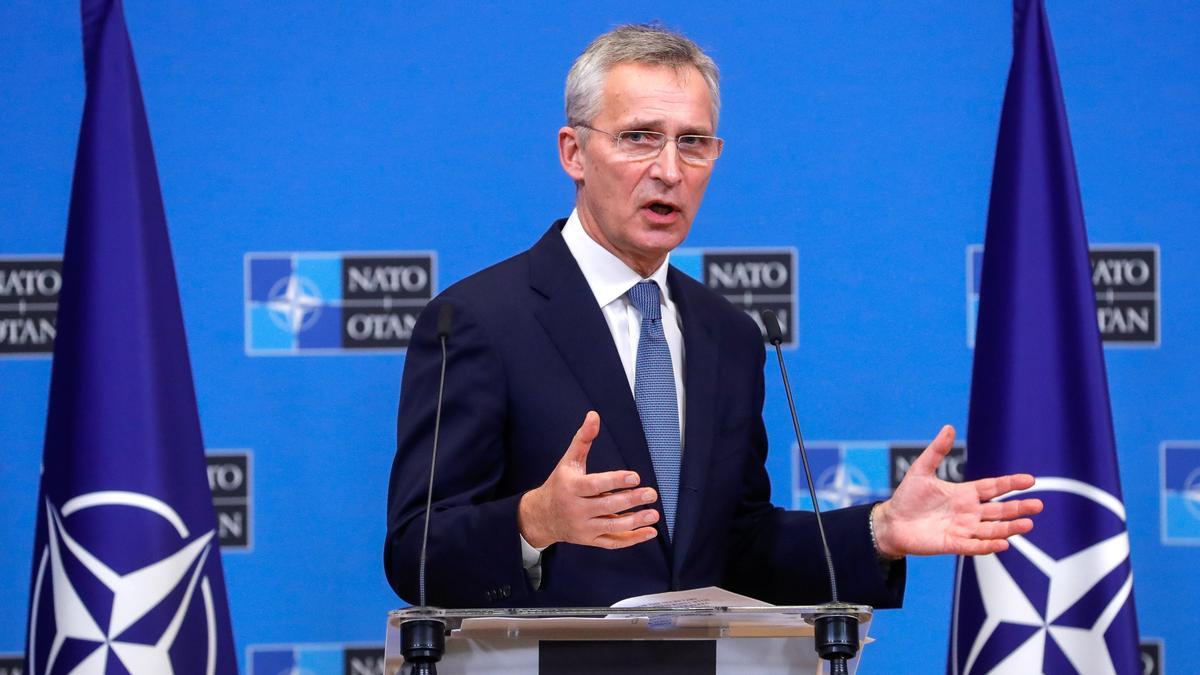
(610,279)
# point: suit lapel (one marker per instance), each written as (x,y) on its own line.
(700,384)
(578,330)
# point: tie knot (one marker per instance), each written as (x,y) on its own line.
(644,296)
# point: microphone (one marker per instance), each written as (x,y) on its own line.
(422,641)
(445,318)
(836,637)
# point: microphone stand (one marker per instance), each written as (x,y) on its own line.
(423,641)
(836,628)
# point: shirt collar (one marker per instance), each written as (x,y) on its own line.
(608,277)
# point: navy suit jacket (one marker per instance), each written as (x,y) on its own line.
(529,354)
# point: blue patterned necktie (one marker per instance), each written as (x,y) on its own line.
(657,404)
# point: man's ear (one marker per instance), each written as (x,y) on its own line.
(570,152)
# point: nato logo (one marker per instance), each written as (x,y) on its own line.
(844,473)
(902,456)
(315,659)
(229,481)
(1047,604)
(99,600)
(1126,281)
(849,473)
(29,304)
(335,303)
(1180,492)
(752,279)
(12,664)
(1151,654)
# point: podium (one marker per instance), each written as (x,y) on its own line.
(759,640)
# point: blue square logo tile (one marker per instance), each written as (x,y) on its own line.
(1180,471)
(297,303)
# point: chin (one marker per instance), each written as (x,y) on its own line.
(677,228)
(662,243)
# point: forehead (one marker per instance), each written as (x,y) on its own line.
(657,96)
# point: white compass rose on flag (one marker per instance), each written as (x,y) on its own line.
(1071,578)
(165,585)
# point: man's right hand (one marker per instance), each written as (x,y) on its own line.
(581,508)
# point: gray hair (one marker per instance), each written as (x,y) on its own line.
(633,43)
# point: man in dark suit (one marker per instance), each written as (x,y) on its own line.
(589,342)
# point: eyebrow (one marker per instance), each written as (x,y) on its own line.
(638,124)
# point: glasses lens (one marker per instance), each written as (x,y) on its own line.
(641,143)
(699,148)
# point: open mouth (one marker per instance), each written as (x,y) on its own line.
(661,208)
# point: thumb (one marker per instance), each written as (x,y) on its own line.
(927,462)
(577,452)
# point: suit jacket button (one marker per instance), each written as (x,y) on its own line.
(506,591)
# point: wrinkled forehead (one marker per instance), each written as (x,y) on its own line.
(654,97)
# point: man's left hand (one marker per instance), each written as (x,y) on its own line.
(930,516)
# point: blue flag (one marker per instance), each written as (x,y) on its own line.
(1060,600)
(126,568)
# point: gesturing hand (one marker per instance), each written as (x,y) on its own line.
(929,516)
(581,508)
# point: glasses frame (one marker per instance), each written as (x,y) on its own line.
(619,136)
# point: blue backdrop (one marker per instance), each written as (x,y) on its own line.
(861,134)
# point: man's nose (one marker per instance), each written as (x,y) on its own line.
(666,165)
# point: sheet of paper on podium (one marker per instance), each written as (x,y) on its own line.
(699,597)
(708,620)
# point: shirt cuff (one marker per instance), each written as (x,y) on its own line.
(530,555)
(531,560)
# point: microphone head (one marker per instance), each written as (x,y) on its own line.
(445,318)
(771,323)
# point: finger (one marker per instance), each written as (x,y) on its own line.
(927,462)
(621,501)
(625,539)
(1009,510)
(597,484)
(979,546)
(613,524)
(1004,529)
(628,522)
(990,488)
(577,451)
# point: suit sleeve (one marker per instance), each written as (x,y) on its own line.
(776,554)
(474,554)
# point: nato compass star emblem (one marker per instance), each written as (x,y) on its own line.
(843,473)
(843,485)
(97,619)
(1046,606)
(294,303)
(1191,493)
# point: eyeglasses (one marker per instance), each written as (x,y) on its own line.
(693,148)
